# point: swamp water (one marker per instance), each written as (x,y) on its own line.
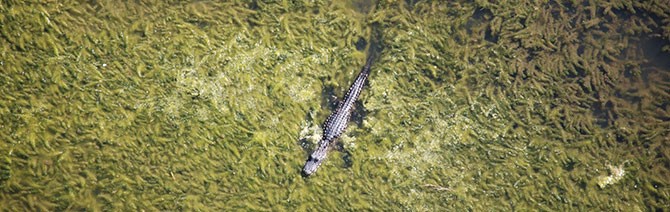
(148,105)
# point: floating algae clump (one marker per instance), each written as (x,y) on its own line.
(616,174)
(201,105)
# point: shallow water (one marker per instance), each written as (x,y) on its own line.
(215,106)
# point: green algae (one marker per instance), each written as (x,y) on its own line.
(202,106)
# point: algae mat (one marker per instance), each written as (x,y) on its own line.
(164,106)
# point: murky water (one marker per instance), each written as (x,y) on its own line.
(215,106)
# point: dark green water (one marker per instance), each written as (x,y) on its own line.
(214,106)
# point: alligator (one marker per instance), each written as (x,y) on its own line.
(337,121)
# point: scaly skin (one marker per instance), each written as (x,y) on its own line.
(337,121)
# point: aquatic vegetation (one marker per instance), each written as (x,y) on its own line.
(202,105)
(616,174)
